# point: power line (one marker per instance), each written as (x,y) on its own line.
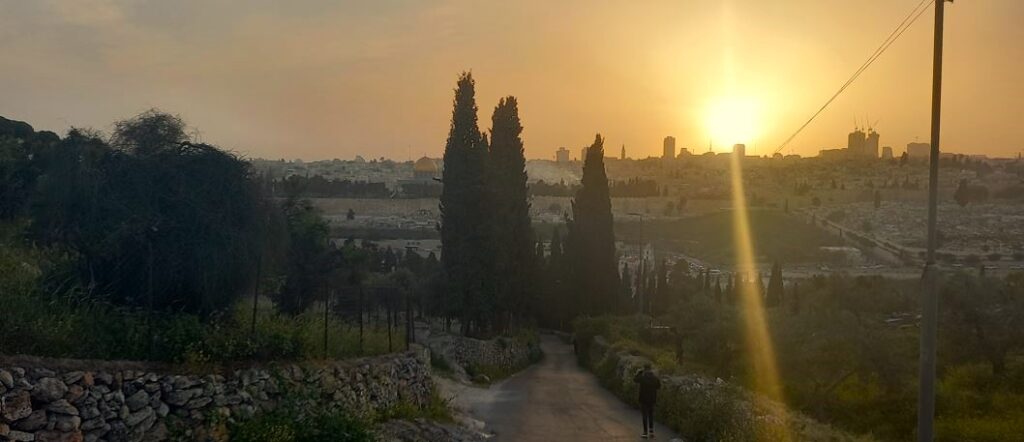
(893,36)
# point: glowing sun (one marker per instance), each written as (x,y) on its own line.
(732,120)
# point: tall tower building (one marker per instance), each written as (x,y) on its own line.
(887,153)
(623,156)
(669,148)
(855,143)
(562,155)
(871,145)
(740,150)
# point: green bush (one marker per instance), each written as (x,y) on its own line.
(287,426)
(43,315)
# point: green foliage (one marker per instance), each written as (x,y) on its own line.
(437,409)
(465,224)
(704,236)
(841,361)
(290,426)
(308,260)
(150,219)
(515,268)
(590,243)
(71,324)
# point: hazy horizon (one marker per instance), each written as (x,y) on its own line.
(320,80)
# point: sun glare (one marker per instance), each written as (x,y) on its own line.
(758,338)
(732,120)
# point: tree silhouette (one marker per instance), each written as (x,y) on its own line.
(465,227)
(515,268)
(591,239)
(775,288)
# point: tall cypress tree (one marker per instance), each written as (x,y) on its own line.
(515,269)
(464,215)
(591,239)
(775,291)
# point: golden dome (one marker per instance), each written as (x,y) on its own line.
(425,165)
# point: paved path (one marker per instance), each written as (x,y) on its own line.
(555,400)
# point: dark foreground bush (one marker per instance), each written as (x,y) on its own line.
(288,426)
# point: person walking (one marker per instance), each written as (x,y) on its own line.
(649,385)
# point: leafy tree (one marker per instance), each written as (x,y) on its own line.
(465,223)
(984,317)
(515,268)
(156,222)
(148,133)
(591,239)
(308,256)
(19,143)
(961,195)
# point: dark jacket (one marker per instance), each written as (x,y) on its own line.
(649,385)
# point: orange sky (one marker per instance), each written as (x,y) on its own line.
(326,79)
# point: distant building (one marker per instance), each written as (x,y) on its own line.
(623,156)
(669,148)
(425,169)
(583,154)
(562,155)
(855,142)
(887,153)
(870,149)
(740,150)
(860,144)
(424,183)
(919,151)
(684,152)
(833,154)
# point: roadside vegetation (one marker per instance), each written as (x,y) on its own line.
(846,348)
(144,245)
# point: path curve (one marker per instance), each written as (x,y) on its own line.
(552,400)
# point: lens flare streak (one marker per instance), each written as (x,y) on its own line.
(752,312)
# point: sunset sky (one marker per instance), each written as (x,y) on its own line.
(328,79)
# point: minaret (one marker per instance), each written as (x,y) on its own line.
(623,155)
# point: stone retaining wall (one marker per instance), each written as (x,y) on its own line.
(463,353)
(48,401)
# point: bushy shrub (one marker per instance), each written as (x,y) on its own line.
(288,426)
(45,317)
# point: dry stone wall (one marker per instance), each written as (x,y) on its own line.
(463,354)
(44,403)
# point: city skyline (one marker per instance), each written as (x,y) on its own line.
(319,80)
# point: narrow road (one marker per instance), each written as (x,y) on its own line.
(553,400)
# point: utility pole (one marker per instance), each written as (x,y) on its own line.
(930,297)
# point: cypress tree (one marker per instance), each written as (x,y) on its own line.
(555,256)
(627,288)
(591,238)
(464,223)
(661,294)
(794,306)
(774,296)
(514,268)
